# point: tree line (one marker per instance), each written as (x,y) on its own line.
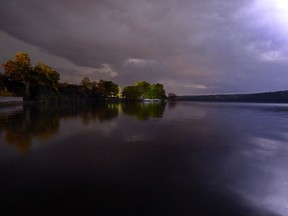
(144,90)
(42,83)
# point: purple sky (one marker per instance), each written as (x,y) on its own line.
(191,46)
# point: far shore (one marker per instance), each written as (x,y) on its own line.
(265,97)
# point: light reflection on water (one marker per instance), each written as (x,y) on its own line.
(146,159)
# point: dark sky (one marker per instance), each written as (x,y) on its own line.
(191,46)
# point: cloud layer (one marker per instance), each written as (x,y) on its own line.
(192,47)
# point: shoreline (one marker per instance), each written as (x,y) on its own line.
(5,100)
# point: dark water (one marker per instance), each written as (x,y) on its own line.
(203,159)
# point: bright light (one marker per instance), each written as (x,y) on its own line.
(280,5)
(276,7)
(279,10)
(273,12)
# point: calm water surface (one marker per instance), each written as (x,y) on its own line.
(207,159)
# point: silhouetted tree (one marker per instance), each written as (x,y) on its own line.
(143,90)
(108,89)
(32,82)
(157,91)
(41,83)
(1,82)
(44,82)
(172,97)
(45,76)
(131,92)
(18,73)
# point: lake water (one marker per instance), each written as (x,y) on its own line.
(208,159)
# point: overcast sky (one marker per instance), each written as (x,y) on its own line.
(191,46)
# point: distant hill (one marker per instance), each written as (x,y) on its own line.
(266,97)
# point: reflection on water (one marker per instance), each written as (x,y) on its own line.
(184,159)
(143,111)
(21,126)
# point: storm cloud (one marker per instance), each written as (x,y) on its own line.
(192,47)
